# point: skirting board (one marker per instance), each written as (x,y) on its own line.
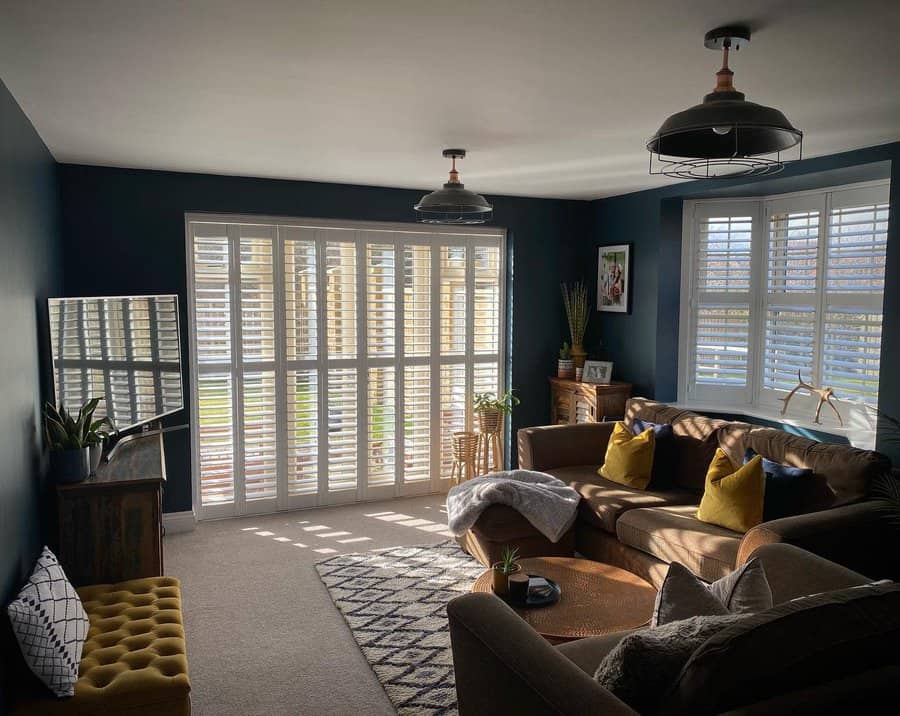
(175,522)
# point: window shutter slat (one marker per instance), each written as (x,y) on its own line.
(340,262)
(212,300)
(417,300)
(382,433)
(793,252)
(216,444)
(453,411)
(301,332)
(724,254)
(486,321)
(380,299)
(852,353)
(857,244)
(417,423)
(260,435)
(302,432)
(453,300)
(790,346)
(721,344)
(342,429)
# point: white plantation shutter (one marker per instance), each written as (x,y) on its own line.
(417,423)
(790,338)
(323,354)
(807,289)
(453,410)
(302,432)
(382,429)
(721,301)
(854,292)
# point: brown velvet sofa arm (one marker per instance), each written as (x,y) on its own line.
(793,572)
(862,537)
(549,446)
(504,667)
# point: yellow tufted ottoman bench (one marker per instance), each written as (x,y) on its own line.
(134,660)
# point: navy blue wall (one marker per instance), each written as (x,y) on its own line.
(644,345)
(29,244)
(124,234)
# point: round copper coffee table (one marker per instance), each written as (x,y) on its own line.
(596,598)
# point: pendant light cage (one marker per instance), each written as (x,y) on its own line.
(453,203)
(729,167)
(724,136)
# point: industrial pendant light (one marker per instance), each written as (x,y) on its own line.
(453,204)
(725,135)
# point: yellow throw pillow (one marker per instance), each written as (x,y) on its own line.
(629,457)
(733,496)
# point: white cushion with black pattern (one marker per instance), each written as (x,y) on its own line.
(50,625)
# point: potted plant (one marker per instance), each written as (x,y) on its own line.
(507,565)
(66,438)
(566,366)
(575,300)
(99,431)
(490,410)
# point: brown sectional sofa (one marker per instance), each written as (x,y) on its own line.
(841,659)
(644,530)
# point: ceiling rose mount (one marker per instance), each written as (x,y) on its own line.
(453,203)
(725,135)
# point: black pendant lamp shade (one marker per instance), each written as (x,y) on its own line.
(725,135)
(453,204)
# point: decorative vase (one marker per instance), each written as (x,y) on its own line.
(579,355)
(566,368)
(500,581)
(96,454)
(70,465)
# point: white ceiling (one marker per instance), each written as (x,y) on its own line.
(552,99)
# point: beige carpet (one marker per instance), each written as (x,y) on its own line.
(263,636)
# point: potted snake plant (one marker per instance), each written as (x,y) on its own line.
(66,438)
(507,565)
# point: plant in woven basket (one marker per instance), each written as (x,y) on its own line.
(490,409)
(575,300)
(887,486)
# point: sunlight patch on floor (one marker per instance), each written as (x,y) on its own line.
(316,528)
(354,539)
(264,533)
(325,550)
(332,534)
(282,539)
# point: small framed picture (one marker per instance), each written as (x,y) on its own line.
(597,371)
(614,279)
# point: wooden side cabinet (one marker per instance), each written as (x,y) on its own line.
(110,525)
(575,402)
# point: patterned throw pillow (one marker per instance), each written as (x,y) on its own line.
(50,625)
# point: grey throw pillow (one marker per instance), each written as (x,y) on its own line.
(684,595)
(643,666)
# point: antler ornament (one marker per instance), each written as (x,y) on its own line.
(825,396)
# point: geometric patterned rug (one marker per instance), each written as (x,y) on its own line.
(395,602)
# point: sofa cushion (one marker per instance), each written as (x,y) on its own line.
(696,438)
(733,497)
(789,490)
(847,472)
(642,667)
(604,501)
(587,653)
(665,456)
(674,534)
(808,641)
(629,457)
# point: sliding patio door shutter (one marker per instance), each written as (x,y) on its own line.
(721,307)
(333,363)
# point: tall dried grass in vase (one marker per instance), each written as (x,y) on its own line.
(575,299)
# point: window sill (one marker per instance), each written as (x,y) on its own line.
(860,435)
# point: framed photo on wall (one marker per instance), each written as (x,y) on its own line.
(614,278)
(597,371)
